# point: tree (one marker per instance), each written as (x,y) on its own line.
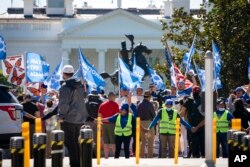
(228,24)
(3,79)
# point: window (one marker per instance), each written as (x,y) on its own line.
(6,96)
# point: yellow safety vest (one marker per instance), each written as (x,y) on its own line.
(127,130)
(166,125)
(222,124)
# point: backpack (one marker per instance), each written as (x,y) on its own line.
(93,105)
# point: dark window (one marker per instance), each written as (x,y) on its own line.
(5,96)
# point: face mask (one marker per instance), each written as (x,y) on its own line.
(221,109)
(168,109)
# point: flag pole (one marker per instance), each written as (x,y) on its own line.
(190,58)
(195,66)
(25,71)
(119,76)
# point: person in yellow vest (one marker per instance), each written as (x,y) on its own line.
(167,127)
(223,118)
(124,126)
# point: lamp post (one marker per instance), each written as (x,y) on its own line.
(209,110)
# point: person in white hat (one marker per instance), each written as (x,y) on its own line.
(72,112)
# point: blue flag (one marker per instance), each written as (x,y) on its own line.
(201,75)
(37,70)
(89,73)
(249,68)
(128,80)
(168,57)
(54,81)
(78,74)
(188,57)
(217,66)
(217,58)
(2,49)
(137,70)
(156,79)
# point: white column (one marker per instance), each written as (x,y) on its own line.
(101,60)
(209,110)
(28,8)
(65,56)
(69,9)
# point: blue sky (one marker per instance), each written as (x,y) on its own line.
(98,3)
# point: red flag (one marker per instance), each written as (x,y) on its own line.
(180,81)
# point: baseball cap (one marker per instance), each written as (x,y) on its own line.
(68,69)
(169,102)
(238,89)
(139,87)
(221,100)
(125,106)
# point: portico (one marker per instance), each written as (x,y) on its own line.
(104,34)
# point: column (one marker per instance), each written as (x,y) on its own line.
(101,59)
(65,56)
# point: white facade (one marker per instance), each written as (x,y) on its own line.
(99,36)
(58,37)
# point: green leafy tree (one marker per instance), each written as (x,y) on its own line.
(3,79)
(228,24)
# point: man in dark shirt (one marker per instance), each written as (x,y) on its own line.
(146,113)
(30,108)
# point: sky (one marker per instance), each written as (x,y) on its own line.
(194,4)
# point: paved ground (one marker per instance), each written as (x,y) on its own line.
(122,162)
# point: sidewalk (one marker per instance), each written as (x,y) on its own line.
(122,162)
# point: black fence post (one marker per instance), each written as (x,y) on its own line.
(86,146)
(39,149)
(1,157)
(17,151)
(246,143)
(237,141)
(57,143)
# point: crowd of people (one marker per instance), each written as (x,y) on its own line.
(72,107)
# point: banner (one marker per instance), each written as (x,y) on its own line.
(13,68)
(2,49)
(17,77)
(35,89)
(10,62)
(37,70)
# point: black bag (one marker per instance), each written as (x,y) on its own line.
(93,105)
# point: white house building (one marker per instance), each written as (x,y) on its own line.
(58,30)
